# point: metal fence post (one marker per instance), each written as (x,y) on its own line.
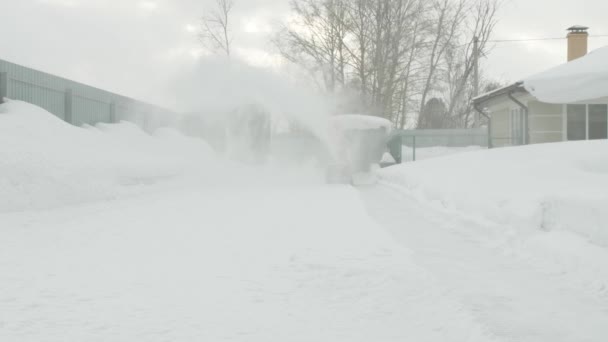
(490,141)
(395,148)
(400,150)
(3,86)
(112,112)
(414,148)
(69,110)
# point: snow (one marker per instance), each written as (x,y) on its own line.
(547,287)
(549,187)
(201,266)
(47,163)
(518,233)
(359,122)
(584,79)
(111,234)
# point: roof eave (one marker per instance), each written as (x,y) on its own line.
(511,89)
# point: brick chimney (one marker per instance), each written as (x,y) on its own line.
(577,42)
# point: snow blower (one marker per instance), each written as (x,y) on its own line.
(360,143)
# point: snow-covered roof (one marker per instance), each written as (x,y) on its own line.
(584,79)
(496,92)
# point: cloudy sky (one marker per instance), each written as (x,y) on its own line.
(130,46)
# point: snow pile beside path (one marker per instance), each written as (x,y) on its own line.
(45,162)
(548,187)
(583,79)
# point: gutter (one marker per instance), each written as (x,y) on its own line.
(508,91)
(480,111)
(498,92)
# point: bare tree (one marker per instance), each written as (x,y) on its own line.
(368,45)
(461,61)
(396,54)
(215,27)
(444,28)
(316,39)
(407,83)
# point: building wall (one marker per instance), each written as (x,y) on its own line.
(545,122)
(501,127)
(602,100)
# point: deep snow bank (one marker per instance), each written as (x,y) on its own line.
(549,187)
(45,162)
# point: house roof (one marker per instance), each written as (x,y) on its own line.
(584,79)
(510,89)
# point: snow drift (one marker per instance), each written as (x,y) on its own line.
(45,162)
(542,187)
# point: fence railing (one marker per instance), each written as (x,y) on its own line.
(505,141)
(77,103)
(422,144)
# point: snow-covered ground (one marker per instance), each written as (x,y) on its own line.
(520,233)
(109,234)
(545,287)
(549,187)
(262,264)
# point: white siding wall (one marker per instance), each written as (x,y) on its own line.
(546,122)
(501,127)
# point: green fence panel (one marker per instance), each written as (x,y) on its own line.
(445,137)
(415,140)
(90,111)
(76,102)
(51,99)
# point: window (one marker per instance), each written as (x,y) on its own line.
(587,122)
(577,122)
(598,122)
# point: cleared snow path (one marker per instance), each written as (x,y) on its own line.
(219,264)
(512,293)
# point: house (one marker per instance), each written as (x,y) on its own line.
(568,102)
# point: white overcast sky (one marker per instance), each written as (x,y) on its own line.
(130,46)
